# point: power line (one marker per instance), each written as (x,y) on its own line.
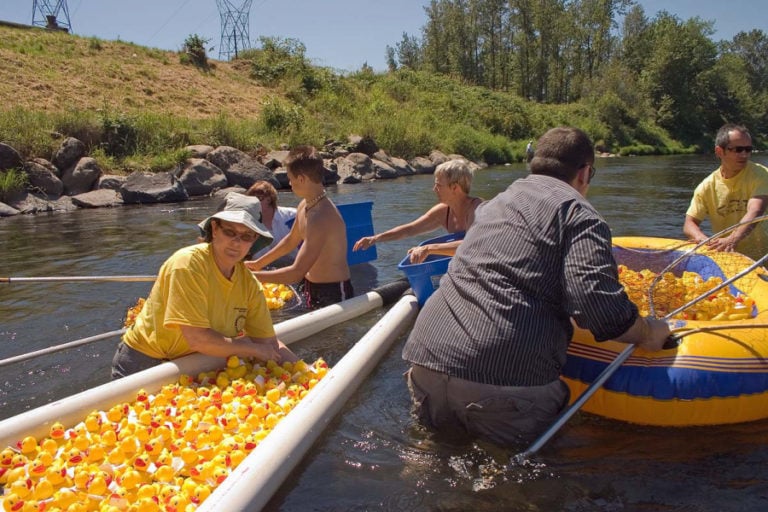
(168,20)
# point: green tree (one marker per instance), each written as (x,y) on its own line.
(675,77)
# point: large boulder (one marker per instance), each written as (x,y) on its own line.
(355,167)
(8,211)
(110,181)
(274,159)
(145,187)
(42,176)
(9,157)
(82,177)
(438,157)
(383,171)
(362,144)
(70,151)
(422,165)
(225,157)
(402,167)
(246,172)
(200,177)
(27,202)
(198,150)
(98,199)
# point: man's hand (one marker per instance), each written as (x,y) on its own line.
(725,244)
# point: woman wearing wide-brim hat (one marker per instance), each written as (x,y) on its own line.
(205,299)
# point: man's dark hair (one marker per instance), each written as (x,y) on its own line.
(561,152)
(723,137)
(307,161)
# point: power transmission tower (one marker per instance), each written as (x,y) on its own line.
(234,28)
(53,14)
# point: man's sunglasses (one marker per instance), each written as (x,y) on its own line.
(740,149)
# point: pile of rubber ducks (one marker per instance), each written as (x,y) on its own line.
(161,452)
(278,295)
(671,292)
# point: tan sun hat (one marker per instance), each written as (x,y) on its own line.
(245,210)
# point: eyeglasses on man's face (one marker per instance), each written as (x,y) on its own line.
(592,172)
(247,237)
(739,149)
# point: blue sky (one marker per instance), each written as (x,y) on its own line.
(342,34)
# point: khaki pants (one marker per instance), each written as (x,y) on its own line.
(504,415)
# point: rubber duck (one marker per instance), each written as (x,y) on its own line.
(20,487)
(189,456)
(142,462)
(165,473)
(147,491)
(97,485)
(12,503)
(95,453)
(154,446)
(6,456)
(56,473)
(220,473)
(57,431)
(200,494)
(177,503)
(28,445)
(39,466)
(130,479)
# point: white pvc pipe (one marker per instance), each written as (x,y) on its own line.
(71,410)
(250,486)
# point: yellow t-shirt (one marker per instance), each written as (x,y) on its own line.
(190,290)
(725,203)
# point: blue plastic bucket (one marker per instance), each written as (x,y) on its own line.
(425,277)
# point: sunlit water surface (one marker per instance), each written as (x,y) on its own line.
(374,456)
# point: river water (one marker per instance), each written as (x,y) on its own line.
(373,456)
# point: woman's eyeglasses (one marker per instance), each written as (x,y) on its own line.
(740,149)
(230,233)
(592,172)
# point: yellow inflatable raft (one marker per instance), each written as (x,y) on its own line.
(714,377)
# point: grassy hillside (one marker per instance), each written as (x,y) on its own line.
(54,71)
(137,107)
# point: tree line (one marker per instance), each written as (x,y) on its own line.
(607,54)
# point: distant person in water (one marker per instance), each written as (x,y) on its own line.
(320,266)
(275,218)
(205,299)
(735,192)
(529,151)
(454,212)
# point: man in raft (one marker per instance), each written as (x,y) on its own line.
(487,348)
(735,192)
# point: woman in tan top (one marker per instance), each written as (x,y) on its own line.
(454,212)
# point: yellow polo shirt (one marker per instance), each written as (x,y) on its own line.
(190,290)
(725,203)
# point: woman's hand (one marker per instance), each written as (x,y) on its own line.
(364,243)
(419,253)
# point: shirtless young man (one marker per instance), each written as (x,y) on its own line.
(321,263)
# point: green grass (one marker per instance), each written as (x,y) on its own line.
(284,100)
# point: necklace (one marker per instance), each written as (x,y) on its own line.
(312,202)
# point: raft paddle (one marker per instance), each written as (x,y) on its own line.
(119,279)
(63,346)
(609,370)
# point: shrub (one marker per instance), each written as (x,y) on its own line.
(193,51)
(12,181)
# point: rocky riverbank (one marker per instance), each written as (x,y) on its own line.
(72,179)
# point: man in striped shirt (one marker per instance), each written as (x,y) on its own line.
(487,349)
